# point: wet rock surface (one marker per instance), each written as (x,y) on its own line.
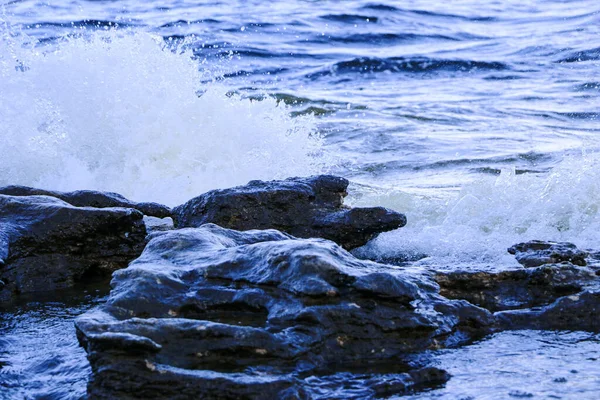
(516,289)
(303,207)
(576,310)
(90,198)
(47,244)
(559,288)
(213,312)
(536,252)
(580,311)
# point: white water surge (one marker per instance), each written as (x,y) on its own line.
(122,112)
(477,224)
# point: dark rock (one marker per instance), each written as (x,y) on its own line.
(514,289)
(47,244)
(556,290)
(303,207)
(536,253)
(90,198)
(576,312)
(390,385)
(217,313)
(579,305)
(520,394)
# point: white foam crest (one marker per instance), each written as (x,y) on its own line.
(478,224)
(119,111)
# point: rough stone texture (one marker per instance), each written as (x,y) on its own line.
(303,207)
(217,313)
(536,253)
(514,289)
(556,290)
(90,198)
(575,312)
(563,296)
(47,244)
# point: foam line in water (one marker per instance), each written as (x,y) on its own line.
(479,223)
(119,111)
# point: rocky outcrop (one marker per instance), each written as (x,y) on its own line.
(559,288)
(303,207)
(211,312)
(579,308)
(536,252)
(580,311)
(47,244)
(216,313)
(90,198)
(514,289)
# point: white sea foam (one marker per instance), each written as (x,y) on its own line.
(478,224)
(119,111)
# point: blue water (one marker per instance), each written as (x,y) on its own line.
(479,120)
(40,357)
(409,91)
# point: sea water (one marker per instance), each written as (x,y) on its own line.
(478,120)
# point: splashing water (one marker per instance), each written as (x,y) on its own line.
(122,112)
(480,222)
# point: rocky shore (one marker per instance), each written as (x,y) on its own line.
(251,292)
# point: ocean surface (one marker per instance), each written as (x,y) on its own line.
(478,120)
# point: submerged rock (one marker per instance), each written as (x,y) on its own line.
(46,243)
(216,313)
(90,198)
(303,207)
(537,252)
(374,385)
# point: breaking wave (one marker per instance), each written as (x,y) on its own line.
(477,224)
(125,112)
